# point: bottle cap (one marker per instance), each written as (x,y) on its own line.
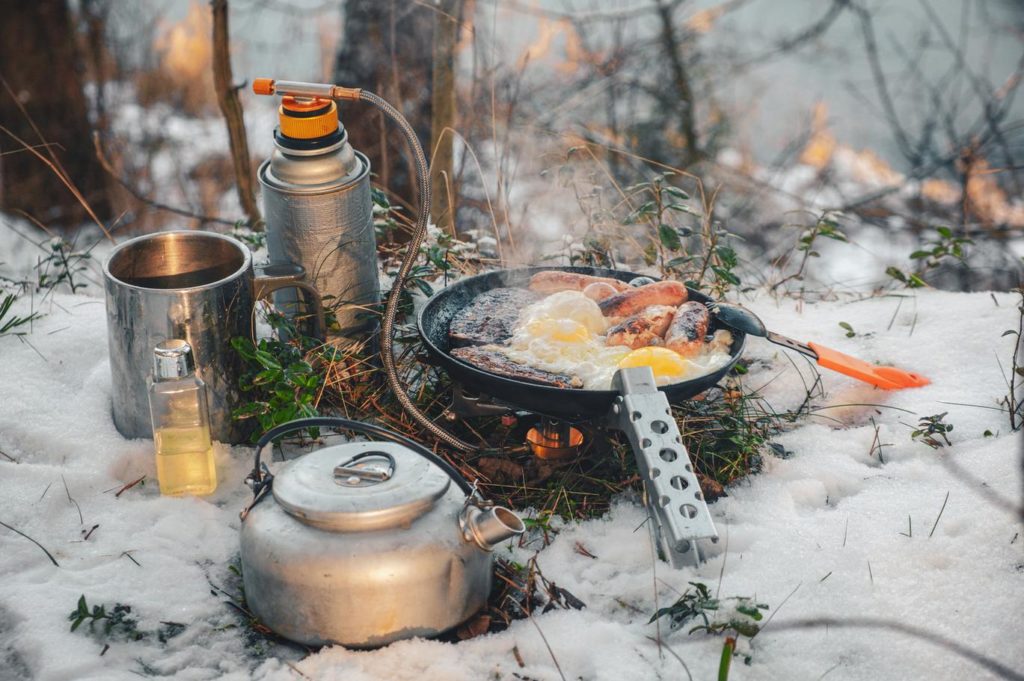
(172,359)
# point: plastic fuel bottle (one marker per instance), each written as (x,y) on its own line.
(181,423)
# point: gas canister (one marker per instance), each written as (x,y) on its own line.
(319,211)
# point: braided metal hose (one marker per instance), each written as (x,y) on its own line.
(411,253)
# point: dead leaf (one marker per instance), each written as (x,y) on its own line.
(477,626)
(711,488)
(500,470)
(582,550)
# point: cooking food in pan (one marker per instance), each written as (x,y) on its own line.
(491,318)
(571,330)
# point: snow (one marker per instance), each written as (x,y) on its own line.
(824,527)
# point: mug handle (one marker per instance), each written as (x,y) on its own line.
(270,278)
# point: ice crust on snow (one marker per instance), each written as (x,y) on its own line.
(811,522)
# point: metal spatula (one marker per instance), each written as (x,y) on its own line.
(886,377)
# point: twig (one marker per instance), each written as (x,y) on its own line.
(296,670)
(66,181)
(231,107)
(48,554)
(829,670)
(938,640)
(725,555)
(776,611)
(939,517)
(547,645)
(673,654)
(129,486)
(81,520)
(982,488)
(106,165)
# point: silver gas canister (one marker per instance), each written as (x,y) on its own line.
(319,212)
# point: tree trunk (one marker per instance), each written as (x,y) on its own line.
(40,62)
(386,47)
(680,80)
(442,180)
(231,107)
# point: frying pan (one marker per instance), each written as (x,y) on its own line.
(436,315)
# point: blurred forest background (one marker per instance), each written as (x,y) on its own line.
(893,126)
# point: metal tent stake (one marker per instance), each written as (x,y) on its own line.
(674,500)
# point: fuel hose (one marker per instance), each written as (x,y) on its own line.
(412,251)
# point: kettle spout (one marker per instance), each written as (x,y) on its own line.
(488,527)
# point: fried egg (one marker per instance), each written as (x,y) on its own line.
(567,305)
(670,367)
(564,333)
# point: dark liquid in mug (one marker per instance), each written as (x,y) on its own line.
(174,261)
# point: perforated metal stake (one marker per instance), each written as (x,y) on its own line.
(674,499)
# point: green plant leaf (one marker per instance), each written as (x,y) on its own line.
(669,237)
(725,275)
(677,193)
(750,611)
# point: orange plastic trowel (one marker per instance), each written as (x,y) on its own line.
(886,377)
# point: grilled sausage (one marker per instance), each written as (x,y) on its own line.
(553,281)
(629,303)
(689,326)
(642,329)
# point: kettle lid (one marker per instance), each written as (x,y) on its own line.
(359,486)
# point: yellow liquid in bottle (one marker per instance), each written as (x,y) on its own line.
(184,461)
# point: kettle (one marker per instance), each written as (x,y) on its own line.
(365,543)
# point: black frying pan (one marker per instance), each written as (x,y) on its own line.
(568,403)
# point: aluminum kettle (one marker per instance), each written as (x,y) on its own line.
(366,543)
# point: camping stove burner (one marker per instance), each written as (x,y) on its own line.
(553,440)
(676,506)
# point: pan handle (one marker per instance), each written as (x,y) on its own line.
(885,377)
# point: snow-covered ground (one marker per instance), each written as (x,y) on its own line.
(826,527)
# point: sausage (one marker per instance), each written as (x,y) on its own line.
(643,329)
(553,281)
(689,326)
(629,303)
(599,290)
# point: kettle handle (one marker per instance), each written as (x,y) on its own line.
(261,476)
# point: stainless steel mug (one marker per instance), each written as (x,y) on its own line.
(197,286)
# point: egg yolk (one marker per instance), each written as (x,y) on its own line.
(562,330)
(663,362)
